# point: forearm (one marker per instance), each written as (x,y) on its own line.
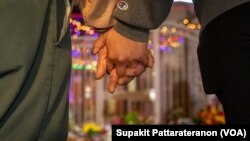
(98,13)
(135,22)
(140,17)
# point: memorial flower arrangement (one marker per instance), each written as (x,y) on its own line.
(91,129)
(210,115)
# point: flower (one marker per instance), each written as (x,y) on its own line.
(210,115)
(91,128)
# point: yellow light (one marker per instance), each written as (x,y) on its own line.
(94,63)
(83,27)
(74,36)
(73,22)
(149,42)
(175,44)
(199,26)
(173,30)
(78,24)
(91,32)
(164,30)
(87,28)
(79,28)
(190,26)
(185,21)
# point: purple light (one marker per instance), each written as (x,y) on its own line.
(181,39)
(162,39)
(76,53)
(77,16)
(169,50)
(150,46)
(95,35)
(78,33)
(71,97)
(95,57)
(162,48)
(166,49)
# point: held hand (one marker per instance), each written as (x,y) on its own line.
(123,51)
(102,67)
(128,57)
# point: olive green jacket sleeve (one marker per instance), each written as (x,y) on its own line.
(98,13)
(131,18)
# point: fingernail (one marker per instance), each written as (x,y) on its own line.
(150,65)
(97,76)
(111,90)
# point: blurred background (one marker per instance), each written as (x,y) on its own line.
(170,93)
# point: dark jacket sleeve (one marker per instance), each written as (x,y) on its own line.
(135,18)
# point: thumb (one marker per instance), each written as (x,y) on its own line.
(98,44)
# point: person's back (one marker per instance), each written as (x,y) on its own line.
(35,65)
(208,10)
(223,54)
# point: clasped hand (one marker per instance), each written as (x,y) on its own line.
(120,57)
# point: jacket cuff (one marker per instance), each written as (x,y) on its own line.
(101,31)
(137,34)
